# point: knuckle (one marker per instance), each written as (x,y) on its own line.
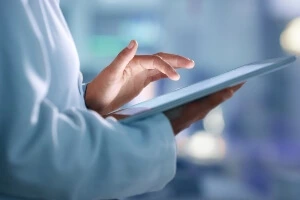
(215,100)
(157,57)
(157,61)
(123,55)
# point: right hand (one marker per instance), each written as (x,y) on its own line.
(128,75)
(184,116)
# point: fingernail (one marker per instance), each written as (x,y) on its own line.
(131,44)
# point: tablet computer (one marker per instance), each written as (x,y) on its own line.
(201,89)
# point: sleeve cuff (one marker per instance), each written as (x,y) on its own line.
(84,86)
(170,151)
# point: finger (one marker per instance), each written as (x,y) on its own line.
(165,68)
(155,62)
(198,109)
(237,87)
(217,98)
(124,57)
(177,61)
(221,96)
(155,77)
(183,116)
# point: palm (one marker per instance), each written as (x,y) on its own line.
(133,82)
(135,78)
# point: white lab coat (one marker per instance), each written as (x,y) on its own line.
(51,146)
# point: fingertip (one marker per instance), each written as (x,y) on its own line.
(190,64)
(229,93)
(237,87)
(133,44)
(136,44)
(176,77)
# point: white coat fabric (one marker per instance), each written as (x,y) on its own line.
(51,145)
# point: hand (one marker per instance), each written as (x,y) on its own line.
(128,75)
(182,117)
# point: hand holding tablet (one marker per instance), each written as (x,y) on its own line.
(183,116)
(195,101)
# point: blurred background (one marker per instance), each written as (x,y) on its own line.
(246,149)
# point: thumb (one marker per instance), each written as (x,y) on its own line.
(124,57)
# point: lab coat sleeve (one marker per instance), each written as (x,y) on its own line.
(74,154)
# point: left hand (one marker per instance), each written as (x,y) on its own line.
(128,75)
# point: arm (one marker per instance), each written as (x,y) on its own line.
(75,154)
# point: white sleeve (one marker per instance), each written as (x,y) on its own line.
(75,154)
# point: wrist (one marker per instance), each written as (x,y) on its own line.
(93,101)
(89,97)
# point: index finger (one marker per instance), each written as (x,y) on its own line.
(156,62)
(176,61)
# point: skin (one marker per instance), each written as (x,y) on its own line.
(184,116)
(129,74)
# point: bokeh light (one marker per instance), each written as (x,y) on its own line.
(290,37)
(206,147)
